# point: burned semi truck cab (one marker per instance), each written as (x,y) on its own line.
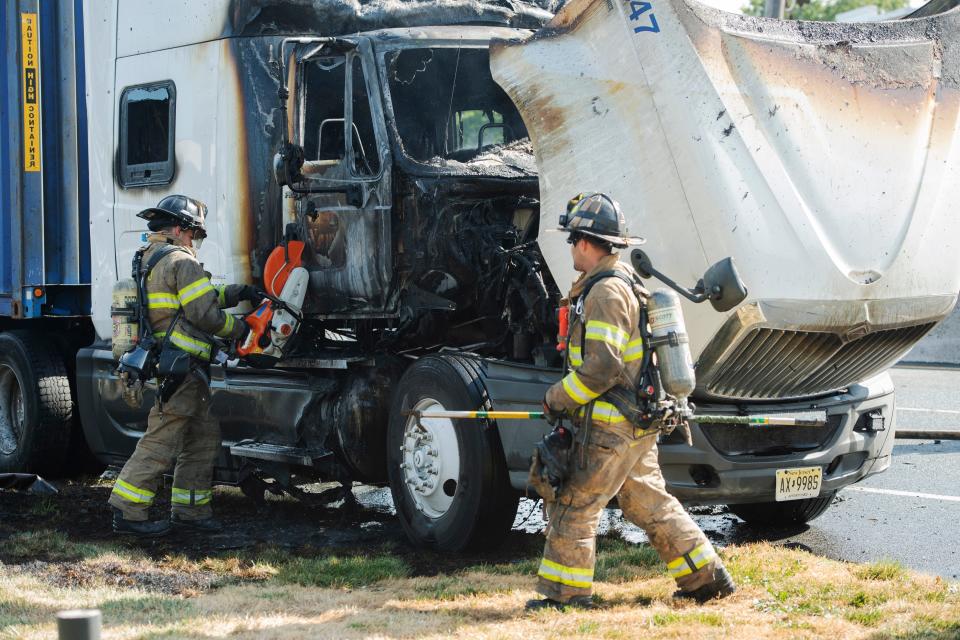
(408,174)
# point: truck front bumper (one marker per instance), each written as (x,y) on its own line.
(860,445)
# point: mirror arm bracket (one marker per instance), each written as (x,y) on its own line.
(726,290)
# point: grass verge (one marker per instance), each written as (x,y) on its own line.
(784,594)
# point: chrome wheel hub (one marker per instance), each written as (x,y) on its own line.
(431,461)
(11,411)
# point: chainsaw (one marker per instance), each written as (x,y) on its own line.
(275,320)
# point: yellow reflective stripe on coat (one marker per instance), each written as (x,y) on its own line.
(188,344)
(190,497)
(570,576)
(194,290)
(227,327)
(131,493)
(579,392)
(634,350)
(606,332)
(606,412)
(692,561)
(162,301)
(221,295)
(576,356)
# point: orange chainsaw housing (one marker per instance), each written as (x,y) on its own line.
(280,264)
(282,260)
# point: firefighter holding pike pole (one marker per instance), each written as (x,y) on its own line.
(611,395)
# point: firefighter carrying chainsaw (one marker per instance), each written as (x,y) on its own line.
(613,397)
(178,340)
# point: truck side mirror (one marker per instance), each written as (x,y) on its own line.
(721,284)
(287,164)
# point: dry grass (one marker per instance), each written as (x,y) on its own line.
(784,594)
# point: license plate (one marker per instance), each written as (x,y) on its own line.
(796,484)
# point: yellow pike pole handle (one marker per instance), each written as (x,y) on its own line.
(750,421)
(490,415)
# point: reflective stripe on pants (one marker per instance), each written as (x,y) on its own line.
(126,491)
(190,497)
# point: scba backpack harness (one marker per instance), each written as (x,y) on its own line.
(149,358)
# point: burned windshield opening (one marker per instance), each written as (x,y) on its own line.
(447,105)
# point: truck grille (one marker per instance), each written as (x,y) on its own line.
(741,440)
(776,363)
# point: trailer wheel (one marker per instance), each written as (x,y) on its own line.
(783,514)
(449,478)
(36,406)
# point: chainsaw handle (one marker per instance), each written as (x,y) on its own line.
(277,303)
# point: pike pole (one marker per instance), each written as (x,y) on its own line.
(751,421)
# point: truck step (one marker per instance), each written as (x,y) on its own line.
(279,453)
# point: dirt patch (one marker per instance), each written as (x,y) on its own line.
(118,573)
(80,510)
(66,541)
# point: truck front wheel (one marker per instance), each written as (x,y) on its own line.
(36,405)
(448,477)
(783,514)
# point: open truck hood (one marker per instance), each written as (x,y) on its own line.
(821,156)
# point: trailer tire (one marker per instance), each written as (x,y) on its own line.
(783,514)
(36,405)
(468,503)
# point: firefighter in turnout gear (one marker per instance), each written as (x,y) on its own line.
(608,455)
(181,302)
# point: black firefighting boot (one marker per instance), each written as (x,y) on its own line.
(139,528)
(204,525)
(576,602)
(721,586)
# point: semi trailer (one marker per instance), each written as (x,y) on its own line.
(421,152)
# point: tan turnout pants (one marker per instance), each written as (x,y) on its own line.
(183,432)
(618,464)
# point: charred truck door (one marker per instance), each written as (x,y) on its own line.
(342,187)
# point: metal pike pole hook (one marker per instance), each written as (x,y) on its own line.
(750,421)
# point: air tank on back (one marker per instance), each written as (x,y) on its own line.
(123,311)
(669,334)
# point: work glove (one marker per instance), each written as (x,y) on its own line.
(551,463)
(132,390)
(234,345)
(251,293)
(552,416)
